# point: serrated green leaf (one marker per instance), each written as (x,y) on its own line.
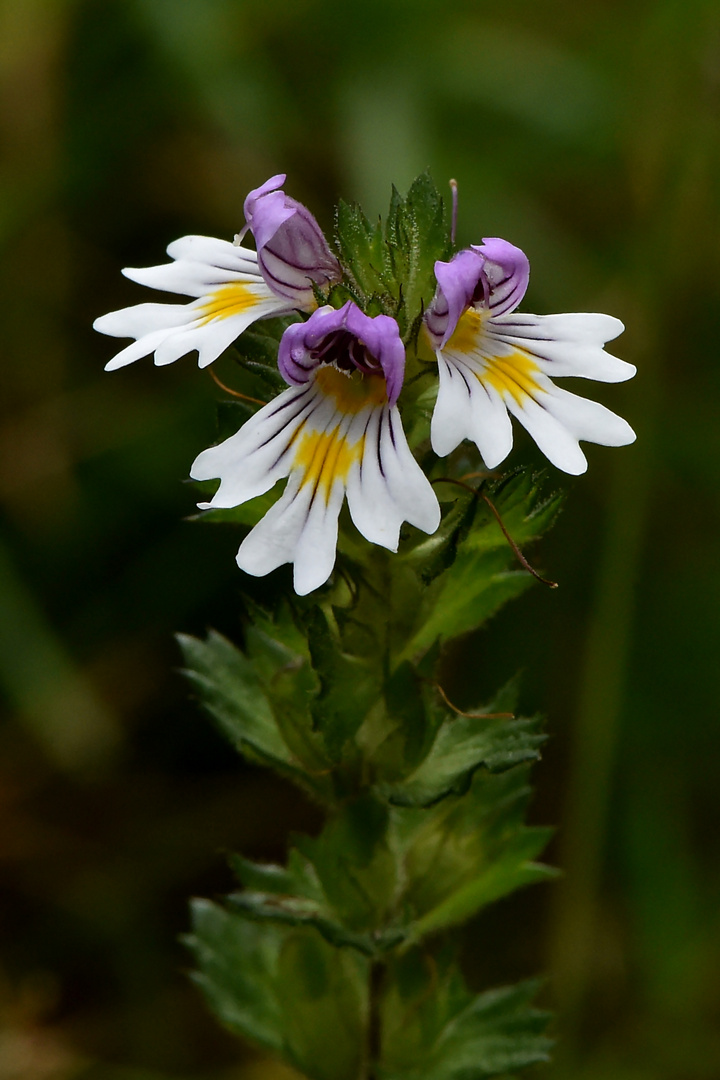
(231,692)
(526,513)
(285,990)
(418,404)
(376,877)
(323,995)
(339,295)
(463,744)
(349,685)
(275,640)
(417,233)
(259,345)
(390,269)
(341,883)
(436,553)
(410,725)
(362,251)
(479,585)
(293,911)
(464,852)
(256,353)
(280,652)
(512,870)
(238,964)
(262,877)
(354,864)
(434,1029)
(267,371)
(254,712)
(479,574)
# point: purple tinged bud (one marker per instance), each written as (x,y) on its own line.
(292,251)
(347,339)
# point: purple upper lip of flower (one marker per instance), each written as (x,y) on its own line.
(350,340)
(493,275)
(292,251)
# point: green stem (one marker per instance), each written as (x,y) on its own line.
(374,1039)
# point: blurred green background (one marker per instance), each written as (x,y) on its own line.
(588,134)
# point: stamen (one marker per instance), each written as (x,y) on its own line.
(346,352)
(482,290)
(453,226)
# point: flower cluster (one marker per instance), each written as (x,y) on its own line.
(336,432)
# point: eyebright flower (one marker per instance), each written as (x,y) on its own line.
(291,250)
(335,432)
(494,361)
(234,285)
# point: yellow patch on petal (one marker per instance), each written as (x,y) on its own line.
(351,392)
(513,374)
(466,333)
(228,300)
(325,457)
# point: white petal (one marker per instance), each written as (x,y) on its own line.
(467,409)
(214,252)
(209,325)
(451,418)
(563,345)
(371,506)
(209,338)
(188,278)
(588,420)
(317,544)
(201,263)
(142,347)
(300,528)
(409,488)
(388,487)
(558,444)
(325,452)
(231,294)
(141,319)
(492,430)
(250,462)
(272,542)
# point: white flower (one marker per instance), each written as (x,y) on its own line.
(233,285)
(494,361)
(335,433)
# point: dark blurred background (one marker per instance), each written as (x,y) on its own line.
(588,134)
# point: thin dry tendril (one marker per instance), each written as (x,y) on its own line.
(518,553)
(469,715)
(235,393)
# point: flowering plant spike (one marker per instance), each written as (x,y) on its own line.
(370,362)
